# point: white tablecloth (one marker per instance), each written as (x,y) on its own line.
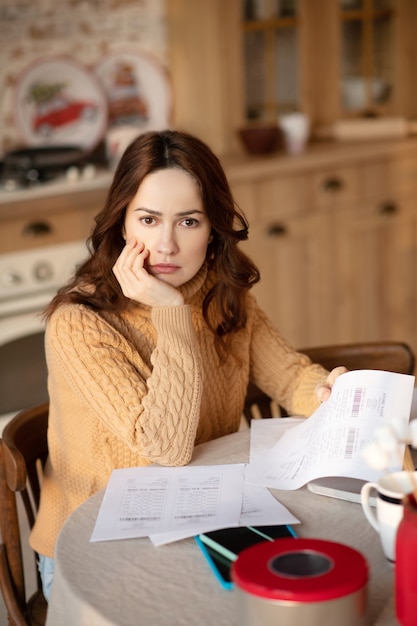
(133,583)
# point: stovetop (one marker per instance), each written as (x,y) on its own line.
(33,168)
(69,182)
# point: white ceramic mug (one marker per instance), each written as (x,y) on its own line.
(386,516)
(296,129)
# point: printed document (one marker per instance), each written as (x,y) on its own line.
(172,503)
(139,501)
(259,508)
(330,442)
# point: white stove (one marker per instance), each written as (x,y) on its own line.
(28,282)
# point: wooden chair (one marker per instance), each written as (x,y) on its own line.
(23,453)
(384,355)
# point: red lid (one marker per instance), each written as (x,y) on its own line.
(300,570)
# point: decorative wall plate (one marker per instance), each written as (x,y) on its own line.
(58,101)
(138,90)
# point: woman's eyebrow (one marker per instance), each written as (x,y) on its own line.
(180,214)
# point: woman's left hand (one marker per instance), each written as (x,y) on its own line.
(324,390)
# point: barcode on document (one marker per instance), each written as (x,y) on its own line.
(350,441)
(357,399)
(196,515)
(138,519)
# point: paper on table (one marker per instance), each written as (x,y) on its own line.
(139,501)
(264,433)
(331,441)
(259,508)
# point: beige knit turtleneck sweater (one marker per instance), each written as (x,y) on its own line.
(145,387)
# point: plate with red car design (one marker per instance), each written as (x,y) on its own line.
(59,101)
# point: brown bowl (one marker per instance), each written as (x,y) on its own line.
(260,139)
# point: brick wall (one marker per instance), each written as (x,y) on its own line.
(84,30)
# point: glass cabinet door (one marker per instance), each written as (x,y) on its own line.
(367,58)
(271,58)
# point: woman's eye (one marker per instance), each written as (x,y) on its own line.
(190,221)
(147,220)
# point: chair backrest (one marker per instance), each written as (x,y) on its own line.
(383,355)
(23,453)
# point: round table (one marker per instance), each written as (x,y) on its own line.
(133,583)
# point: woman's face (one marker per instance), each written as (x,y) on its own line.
(168,217)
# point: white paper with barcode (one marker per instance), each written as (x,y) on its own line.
(331,441)
(139,501)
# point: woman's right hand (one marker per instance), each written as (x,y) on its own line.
(137,283)
(324,390)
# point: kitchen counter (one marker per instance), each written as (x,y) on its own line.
(56,187)
(317,155)
(238,168)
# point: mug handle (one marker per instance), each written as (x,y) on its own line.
(369,512)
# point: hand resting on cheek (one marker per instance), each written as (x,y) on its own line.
(137,283)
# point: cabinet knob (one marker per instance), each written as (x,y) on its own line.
(387,208)
(277,230)
(333,184)
(37,229)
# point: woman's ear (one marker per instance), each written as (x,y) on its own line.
(210,239)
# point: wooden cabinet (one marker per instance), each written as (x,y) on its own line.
(377,263)
(35,219)
(286,240)
(377,266)
(329,42)
(335,236)
(358,37)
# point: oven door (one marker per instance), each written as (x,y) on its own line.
(23,375)
(29,279)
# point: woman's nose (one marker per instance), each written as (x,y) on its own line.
(167,243)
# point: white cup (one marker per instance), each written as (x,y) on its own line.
(296,129)
(386,516)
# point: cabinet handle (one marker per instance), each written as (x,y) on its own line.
(37,229)
(277,230)
(388,208)
(333,184)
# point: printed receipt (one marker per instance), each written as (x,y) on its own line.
(259,508)
(139,501)
(330,442)
(172,503)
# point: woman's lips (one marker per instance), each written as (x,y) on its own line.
(164,268)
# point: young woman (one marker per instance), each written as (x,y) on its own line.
(151,346)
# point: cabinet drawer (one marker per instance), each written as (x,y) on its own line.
(404,175)
(335,187)
(45,229)
(375,182)
(281,197)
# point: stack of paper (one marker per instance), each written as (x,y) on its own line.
(171,503)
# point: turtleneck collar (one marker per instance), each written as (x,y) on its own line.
(190,288)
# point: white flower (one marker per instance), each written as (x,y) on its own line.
(413,433)
(376,456)
(388,440)
(400,427)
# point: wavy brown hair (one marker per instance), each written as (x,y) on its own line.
(236,273)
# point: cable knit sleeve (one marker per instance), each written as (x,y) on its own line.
(287,376)
(153,409)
